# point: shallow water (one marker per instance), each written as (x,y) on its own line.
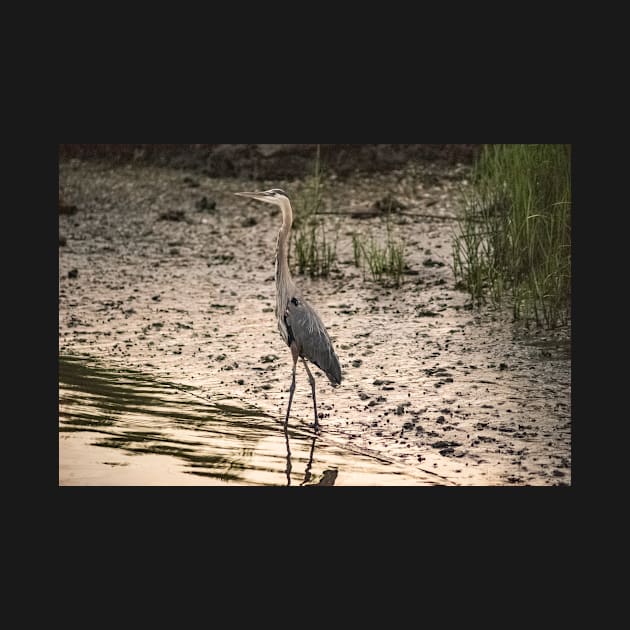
(124,427)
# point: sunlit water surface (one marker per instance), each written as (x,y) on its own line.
(124,427)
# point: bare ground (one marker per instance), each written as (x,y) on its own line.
(153,277)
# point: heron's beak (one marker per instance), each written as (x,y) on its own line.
(260,196)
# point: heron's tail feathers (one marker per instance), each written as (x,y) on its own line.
(334,372)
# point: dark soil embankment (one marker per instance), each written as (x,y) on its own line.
(261,161)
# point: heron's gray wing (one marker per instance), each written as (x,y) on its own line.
(313,342)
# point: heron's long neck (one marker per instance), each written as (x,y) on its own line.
(283,275)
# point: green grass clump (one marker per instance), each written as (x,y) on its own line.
(315,255)
(384,261)
(514,238)
(315,249)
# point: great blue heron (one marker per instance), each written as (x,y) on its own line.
(299,324)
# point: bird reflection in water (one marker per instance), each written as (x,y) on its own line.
(328,476)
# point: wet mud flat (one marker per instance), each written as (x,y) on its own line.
(169,273)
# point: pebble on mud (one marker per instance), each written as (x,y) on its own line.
(67,209)
(206,204)
(389,203)
(429,262)
(73,273)
(191,182)
(380,381)
(425,312)
(172,215)
(269,358)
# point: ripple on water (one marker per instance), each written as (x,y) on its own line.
(125,427)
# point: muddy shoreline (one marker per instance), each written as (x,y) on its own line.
(154,277)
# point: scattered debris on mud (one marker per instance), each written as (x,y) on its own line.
(176,272)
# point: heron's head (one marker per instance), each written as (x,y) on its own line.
(275,195)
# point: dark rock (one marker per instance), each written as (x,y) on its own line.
(67,209)
(206,204)
(425,312)
(62,241)
(445,444)
(269,358)
(380,381)
(73,273)
(172,215)
(221,259)
(389,203)
(429,262)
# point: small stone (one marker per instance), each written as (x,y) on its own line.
(269,358)
(206,204)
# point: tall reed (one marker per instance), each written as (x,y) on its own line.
(385,262)
(315,248)
(513,240)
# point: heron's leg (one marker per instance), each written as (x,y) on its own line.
(288,469)
(294,353)
(311,380)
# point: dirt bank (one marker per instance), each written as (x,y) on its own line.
(168,271)
(262,161)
